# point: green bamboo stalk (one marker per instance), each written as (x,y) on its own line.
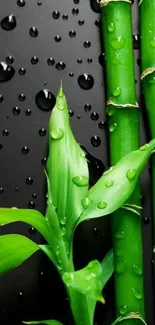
(147,32)
(123,116)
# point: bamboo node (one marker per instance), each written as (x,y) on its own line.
(111,102)
(132,315)
(105,2)
(147,72)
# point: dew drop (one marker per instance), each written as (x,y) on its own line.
(95,231)
(64,17)
(21,97)
(117,92)
(130,174)
(5,133)
(86,202)
(44,161)
(112,127)
(33,31)
(87,44)
(79,61)
(101,59)
(79,117)
(63,231)
(34,60)
(80,180)
(101,125)
(56,14)
(102,205)
(57,38)
(42,132)
(111,110)
(120,267)
(57,134)
(22,71)
(16,188)
(6,72)
(94,116)
(71,74)
(29,180)
(89,60)
(86,81)
(31,205)
(42,273)
(109,183)
(95,141)
(153,42)
(60,65)
(81,22)
(39,3)
(71,113)
(10,59)
(118,43)
(20,295)
(120,234)
(87,107)
(50,61)
(98,22)
(136,42)
(76,2)
(21,3)
(28,112)
(111,27)
(32,230)
(25,150)
(75,11)
(45,100)
(9,22)
(107,172)
(1,190)
(123,309)
(72,33)
(16,110)
(137,269)
(95,5)
(146,220)
(137,294)
(63,220)
(144,147)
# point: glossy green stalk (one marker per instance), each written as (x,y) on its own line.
(123,116)
(147,33)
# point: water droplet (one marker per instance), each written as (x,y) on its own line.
(56,14)
(111,110)
(95,231)
(76,2)
(109,183)
(1,190)
(16,110)
(86,202)
(10,59)
(98,22)
(101,125)
(1,98)
(34,195)
(120,267)
(112,127)
(28,112)
(95,141)
(32,230)
(22,71)
(21,3)
(87,44)
(118,43)
(42,132)
(45,100)
(72,33)
(17,188)
(108,171)
(21,97)
(78,116)
(71,74)
(63,231)
(60,65)
(89,60)
(123,309)
(57,38)
(57,134)
(33,31)
(146,220)
(136,42)
(79,61)
(86,81)
(120,234)
(34,60)
(117,91)
(31,205)
(1,146)
(80,180)
(6,72)
(39,3)
(50,61)
(29,180)
(8,22)
(144,147)
(5,133)
(137,294)
(95,5)
(44,161)
(102,205)
(42,273)
(87,107)
(75,11)
(65,17)
(68,277)
(153,42)
(81,22)
(94,116)
(25,150)
(71,113)
(20,295)
(111,27)
(130,174)
(139,62)
(101,59)
(137,269)
(63,220)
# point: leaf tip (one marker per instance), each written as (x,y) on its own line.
(61,90)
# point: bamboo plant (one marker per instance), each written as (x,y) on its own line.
(147,36)
(69,202)
(123,118)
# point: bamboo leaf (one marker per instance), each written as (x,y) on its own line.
(107,265)
(47,249)
(46,322)
(117,184)
(66,167)
(32,217)
(14,250)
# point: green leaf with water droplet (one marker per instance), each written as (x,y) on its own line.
(115,187)
(46,322)
(67,169)
(14,250)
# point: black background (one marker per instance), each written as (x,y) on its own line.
(34,290)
